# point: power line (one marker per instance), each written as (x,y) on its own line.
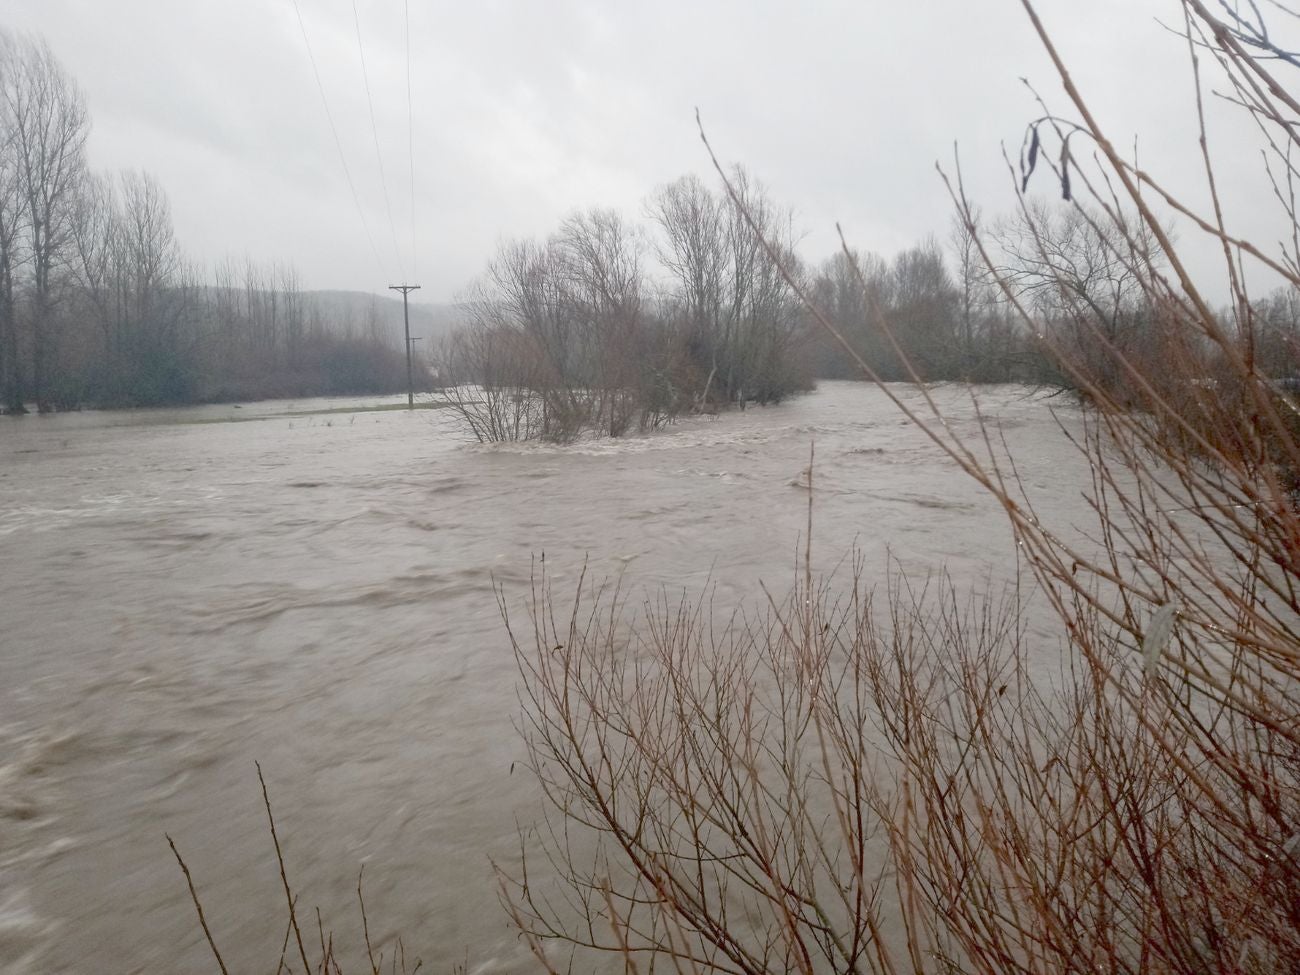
(374,131)
(410,129)
(338,144)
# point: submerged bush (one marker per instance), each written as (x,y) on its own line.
(569,337)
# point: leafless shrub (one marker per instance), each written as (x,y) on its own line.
(294,949)
(555,345)
(578,341)
(490,378)
(717,794)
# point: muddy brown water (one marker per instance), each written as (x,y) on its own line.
(181,598)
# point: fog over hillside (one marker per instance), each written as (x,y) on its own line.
(355,311)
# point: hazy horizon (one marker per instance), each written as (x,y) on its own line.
(520,115)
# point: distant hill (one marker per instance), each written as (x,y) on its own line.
(357,311)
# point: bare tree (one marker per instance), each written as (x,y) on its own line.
(48,122)
(294,312)
(922,309)
(1275,322)
(852,288)
(127,264)
(148,237)
(741,318)
(567,322)
(762,329)
(97,269)
(1080,271)
(973,283)
(151,264)
(599,258)
(12,231)
(692,247)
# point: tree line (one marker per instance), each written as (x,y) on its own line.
(1028,297)
(98,303)
(611,326)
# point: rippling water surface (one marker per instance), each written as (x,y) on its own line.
(181,596)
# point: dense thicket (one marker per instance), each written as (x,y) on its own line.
(97,301)
(578,333)
(1011,301)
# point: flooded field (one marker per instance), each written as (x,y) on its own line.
(313,589)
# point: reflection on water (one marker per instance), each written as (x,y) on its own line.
(181,597)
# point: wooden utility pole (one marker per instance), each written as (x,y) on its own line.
(406,289)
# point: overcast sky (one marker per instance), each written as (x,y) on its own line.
(523,111)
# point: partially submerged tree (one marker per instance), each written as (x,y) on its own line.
(570,336)
(561,340)
(741,319)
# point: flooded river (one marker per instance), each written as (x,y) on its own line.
(182,595)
